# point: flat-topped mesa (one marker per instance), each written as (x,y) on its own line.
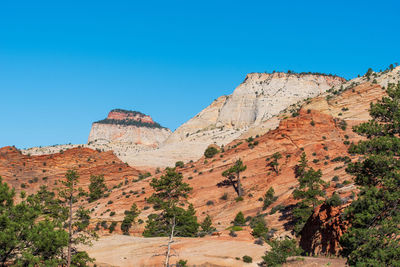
(121,114)
(262,76)
(128,117)
(123,128)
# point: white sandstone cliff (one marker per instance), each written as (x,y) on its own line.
(252,106)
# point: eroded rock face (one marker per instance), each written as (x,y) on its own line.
(322,231)
(251,106)
(264,95)
(124,130)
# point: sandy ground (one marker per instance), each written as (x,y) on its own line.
(210,251)
(120,250)
(315,262)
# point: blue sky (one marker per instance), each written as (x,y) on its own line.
(65,64)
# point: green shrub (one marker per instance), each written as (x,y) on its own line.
(239,199)
(280,251)
(112,227)
(236,228)
(276,208)
(224,196)
(334,200)
(247,259)
(179,164)
(181,263)
(259,227)
(239,219)
(210,152)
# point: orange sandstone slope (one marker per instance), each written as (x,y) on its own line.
(28,173)
(323,137)
(319,130)
(323,134)
(322,130)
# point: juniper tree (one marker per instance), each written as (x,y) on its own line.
(310,188)
(373,236)
(172,220)
(233,177)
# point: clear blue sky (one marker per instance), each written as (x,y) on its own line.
(65,64)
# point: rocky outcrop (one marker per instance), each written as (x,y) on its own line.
(251,107)
(322,231)
(124,130)
(127,134)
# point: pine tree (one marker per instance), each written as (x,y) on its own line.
(269,198)
(368,73)
(309,190)
(233,177)
(130,216)
(97,187)
(274,164)
(206,225)
(373,237)
(32,232)
(78,217)
(172,220)
(239,219)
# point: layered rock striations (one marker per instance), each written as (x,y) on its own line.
(29,172)
(127,131)
(251,106)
